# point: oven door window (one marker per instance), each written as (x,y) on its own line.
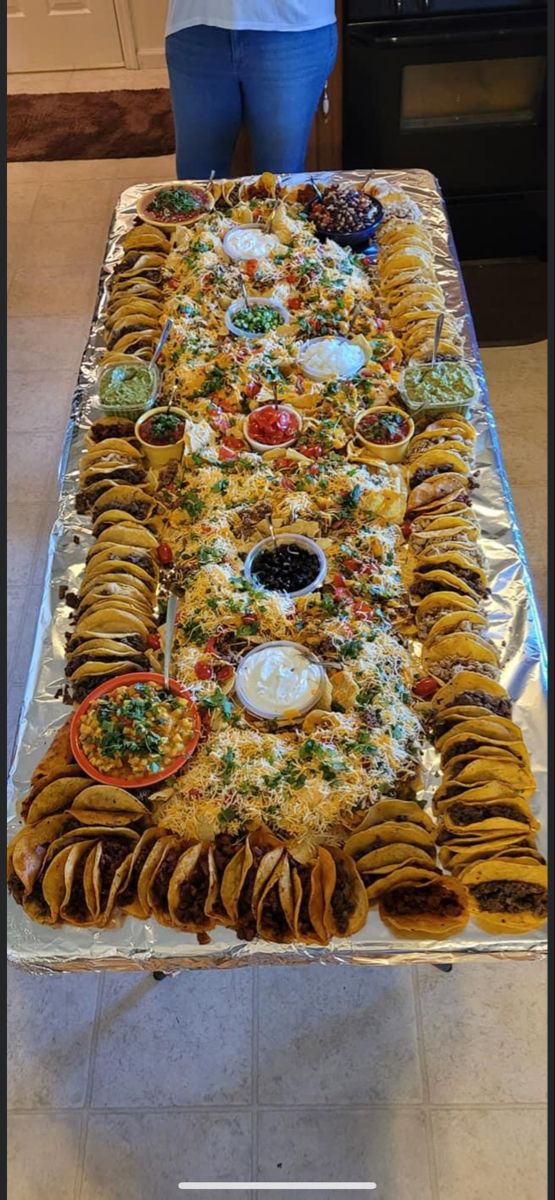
(479,92)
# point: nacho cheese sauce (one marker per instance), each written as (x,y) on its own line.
(243,242)
(279,680)
(332,358)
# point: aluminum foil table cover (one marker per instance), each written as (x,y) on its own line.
(514,624)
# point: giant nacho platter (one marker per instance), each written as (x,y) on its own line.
(357,714)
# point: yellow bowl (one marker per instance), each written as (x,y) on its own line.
(160,456)
(395,452)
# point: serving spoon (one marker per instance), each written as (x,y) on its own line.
(168,325)
(168,637)
(437,335)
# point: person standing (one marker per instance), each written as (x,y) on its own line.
(263,63)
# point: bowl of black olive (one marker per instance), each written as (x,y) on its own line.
(345,215)
(289,563)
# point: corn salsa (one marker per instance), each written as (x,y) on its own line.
(137,729)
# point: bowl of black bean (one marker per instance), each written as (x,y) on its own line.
(289,563)
(345,215)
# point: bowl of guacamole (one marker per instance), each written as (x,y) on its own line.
(445,386)
(128,386)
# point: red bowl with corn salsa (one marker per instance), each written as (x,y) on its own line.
(133,723)
(272,425)
(172,204)
(387,430)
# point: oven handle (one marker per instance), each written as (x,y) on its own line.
(436,39)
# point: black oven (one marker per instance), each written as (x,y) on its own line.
(457,87)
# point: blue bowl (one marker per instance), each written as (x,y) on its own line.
(357,239)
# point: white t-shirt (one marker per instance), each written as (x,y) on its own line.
(278,16)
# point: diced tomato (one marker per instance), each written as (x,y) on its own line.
(388,364)
(172,283)
(293,303)
(362,609)
(211,646)
(380,324)
(234,443)
(284,463)
(406,529)
(250,619)
(312,451)
(154,641)
(290,278)
(338,580)
(251,267)
(287,484)
(226,455)
(224,672)
(164,554)
(369,568)
(426,687)
(228,404)
(313,470)
(195,793)
(341,593)
(351,564)
(203,669)
(252,388)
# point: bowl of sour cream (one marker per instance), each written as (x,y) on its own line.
(279,681)
(242,242)
(331,358)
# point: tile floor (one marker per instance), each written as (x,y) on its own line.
(432,1085)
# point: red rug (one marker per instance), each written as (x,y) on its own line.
(60,125)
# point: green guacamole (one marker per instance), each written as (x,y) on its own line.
(126,385)
(443,384)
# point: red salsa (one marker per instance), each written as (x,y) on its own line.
(162,429)
(272,425)
(385,427)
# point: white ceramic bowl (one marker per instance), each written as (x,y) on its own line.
(263,447)
(283,539)
(237,305)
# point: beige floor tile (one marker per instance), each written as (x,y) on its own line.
(175,1068)
(56,293)
(65,244)
(35,82)
(32,467)
(493,1153)
(52,1071)
(43,1153)
(25,172)
(517,382)
(145,170)
(146,1155)
(478,1048)
(21,199)
(39,401)
(16,242)
(23,611)
(74,200)
(383,1146)
(346,1036)
(25,524)
(75,170)
(46,343)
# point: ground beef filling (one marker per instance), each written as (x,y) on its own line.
(246,919)
(82,687)
(467,574)
(193,893)
(424,473)
(116,428)
(16,888)
(470,814)
(141,664)
(434,898)
(464,747)
(511,896)
(113,854)
(501,705)
(77,907)
(304,874)
(342,898)
(224,849)
(272,917)
(161,881)
(130,891)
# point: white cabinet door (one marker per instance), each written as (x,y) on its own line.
(60,35)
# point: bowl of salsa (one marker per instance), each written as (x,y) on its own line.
(172,204)
(272,425)
(255,319)
(132,732)
(387,431)
(160,433)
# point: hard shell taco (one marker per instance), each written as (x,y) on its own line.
(455,564)
(252,865)
(507,897)
(134,501)
(273,901)
(308,901)
(461,621)
(27,851)
(386,811)
(189,889)
(431,463)
(490,763)
(378,884)
(452,652)
(437,491)
(470,735)
(455,856)
(494,789)
(56,797)
(425,907)
(63,884)
(220,853)
(105,804)
(438,604)
(393,831)
(345,900)
(471,688)
(127,897)
(127,533)
(105,869)
(154,880)
(486,819)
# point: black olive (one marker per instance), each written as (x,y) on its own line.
(287,567)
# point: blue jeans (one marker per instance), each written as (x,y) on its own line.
(271,81)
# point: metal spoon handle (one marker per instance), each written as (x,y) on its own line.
(162,340)
(437,335)
(244,293)
(168,639)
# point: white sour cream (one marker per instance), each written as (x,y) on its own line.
(248,241)
(331,358)
(278,680)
